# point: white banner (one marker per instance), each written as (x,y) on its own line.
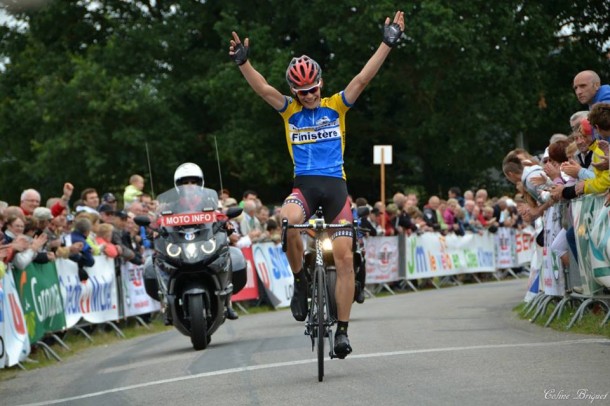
(431,254)
(506,254)
(525,242)
(100,300)
(71,290)
(16,346)
(381,259)
(135,299)
(553,278)
(274,272)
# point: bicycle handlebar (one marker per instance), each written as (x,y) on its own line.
(318,225)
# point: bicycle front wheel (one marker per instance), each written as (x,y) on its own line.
(321,327)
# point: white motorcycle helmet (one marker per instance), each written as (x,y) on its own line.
(186,173)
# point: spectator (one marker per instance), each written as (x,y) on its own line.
(275,234)
(432,215)
(250,225)
(89,201)
(580,162)
(390,226)
(452,210)
(30,199)
(588,88)
(133,191)
(456,193)
(262,214)
(481,193)
(84,257)
(599,118)
(104,240)
(248,195)
(13,226)
(109,199)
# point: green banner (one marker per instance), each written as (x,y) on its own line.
(43,305)
(585,211)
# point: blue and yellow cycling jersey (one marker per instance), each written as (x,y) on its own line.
(316,138)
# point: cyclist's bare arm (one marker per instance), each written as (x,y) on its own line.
(256,81)
(362,79)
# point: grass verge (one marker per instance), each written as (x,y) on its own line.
(590,323)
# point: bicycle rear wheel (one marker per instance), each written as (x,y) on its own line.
(320,276)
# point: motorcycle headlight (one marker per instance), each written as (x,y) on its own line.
(327,245)
(191,250)
(208,246)
(173,250)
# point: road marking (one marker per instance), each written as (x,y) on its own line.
(310,361)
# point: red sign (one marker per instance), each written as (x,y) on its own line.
(250,291)
(187,219)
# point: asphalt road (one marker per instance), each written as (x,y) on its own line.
(455,346)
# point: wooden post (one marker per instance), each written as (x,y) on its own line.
(383,188)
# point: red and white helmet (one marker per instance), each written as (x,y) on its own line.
(303,71)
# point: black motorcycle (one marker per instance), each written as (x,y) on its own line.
(193,271)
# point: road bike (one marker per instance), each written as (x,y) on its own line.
(322,278)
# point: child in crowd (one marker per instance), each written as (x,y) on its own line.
(133,190)
(104,238)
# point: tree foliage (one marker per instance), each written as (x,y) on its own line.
(88,87)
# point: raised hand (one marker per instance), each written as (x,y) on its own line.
(392,32)
(239,51)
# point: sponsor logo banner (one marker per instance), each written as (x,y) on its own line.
(41,300)
(274,272)
(135,299)
(431,254)
(15,338)
(381,259)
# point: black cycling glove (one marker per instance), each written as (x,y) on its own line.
(240,54)
(391,34)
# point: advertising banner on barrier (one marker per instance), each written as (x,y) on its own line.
(381,259)
(250,291)
(432,254)
(71,290)
(598,245)
(100,301)
(583,214)
(2,352)
(16,340)
(506,253)
(525,243)
(135,299)
(553,277)
(274,272)
(41,301)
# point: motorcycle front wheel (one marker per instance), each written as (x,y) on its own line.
(199,327)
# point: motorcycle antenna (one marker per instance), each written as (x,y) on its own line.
(218,161)
(152,189)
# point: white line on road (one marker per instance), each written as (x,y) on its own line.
(309,361)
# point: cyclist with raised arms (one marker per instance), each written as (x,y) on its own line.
(315,133)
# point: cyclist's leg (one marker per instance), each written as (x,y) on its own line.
(294,210)
(344,262)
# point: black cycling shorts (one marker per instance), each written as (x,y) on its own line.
(311,192)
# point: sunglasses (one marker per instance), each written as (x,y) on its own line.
(305,92)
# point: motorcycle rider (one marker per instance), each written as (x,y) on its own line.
(190,175)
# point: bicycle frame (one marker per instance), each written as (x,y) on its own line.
(320,318)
